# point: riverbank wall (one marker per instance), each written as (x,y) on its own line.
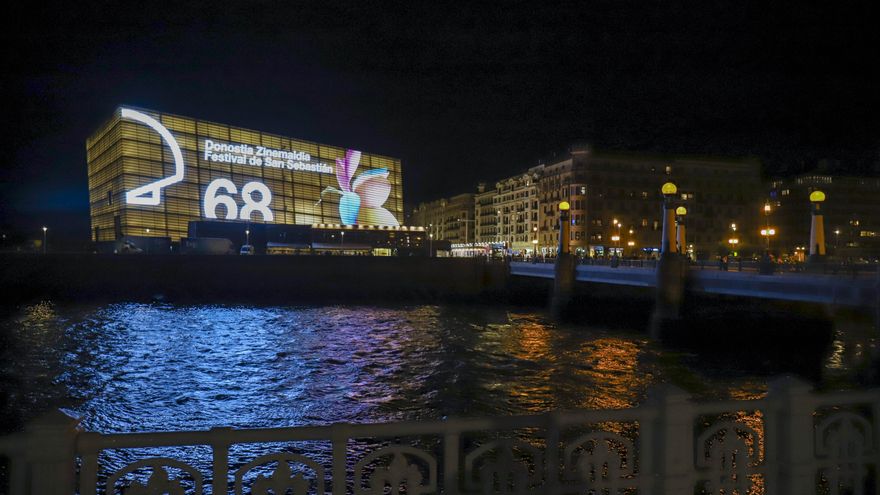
(248,279)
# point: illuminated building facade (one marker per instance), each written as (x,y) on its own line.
(851,211)
(615,198)
(450,219)
(485,215)
(516,207)
(151,174)
(616,204)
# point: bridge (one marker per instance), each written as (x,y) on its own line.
(850,289)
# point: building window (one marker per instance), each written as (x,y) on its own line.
(644,222)
(668,169)
(109,198)
(656,225)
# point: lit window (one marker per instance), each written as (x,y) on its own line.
(668,169)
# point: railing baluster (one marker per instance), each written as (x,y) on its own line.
(451,448)
(87,446)
(220,452)
(339,437)
(88,475)
(18,474)
(552,471)
(645,453)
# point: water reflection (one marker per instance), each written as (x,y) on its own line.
(140,367)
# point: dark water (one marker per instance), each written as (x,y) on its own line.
(142,367)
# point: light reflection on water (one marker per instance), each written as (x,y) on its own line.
(142,367)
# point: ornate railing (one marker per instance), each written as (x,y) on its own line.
(792,442)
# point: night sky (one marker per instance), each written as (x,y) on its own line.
(460,92)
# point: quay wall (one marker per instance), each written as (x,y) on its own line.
(271,279)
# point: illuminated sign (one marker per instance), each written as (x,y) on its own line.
(362,198)
(150,193)
(212,199)
(261,156)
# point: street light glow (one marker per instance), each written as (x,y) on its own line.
(564,206)
(669,189)
(817,196)
(681,210)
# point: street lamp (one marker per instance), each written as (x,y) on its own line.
(836,238)
(431,244)
(465,220)
(768,232)
(535,241)
(681,234)
(247,237)
(667,245)
(44,238)
(342,238)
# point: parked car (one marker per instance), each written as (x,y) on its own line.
(247,249)
(128,247)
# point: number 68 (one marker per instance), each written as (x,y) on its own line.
(212,199)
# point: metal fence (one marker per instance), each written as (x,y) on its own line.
(791,442)
(840,268)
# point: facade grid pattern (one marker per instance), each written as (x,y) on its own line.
(123,155)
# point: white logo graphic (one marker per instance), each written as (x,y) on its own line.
(150,193)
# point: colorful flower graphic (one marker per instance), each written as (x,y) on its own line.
(363,197)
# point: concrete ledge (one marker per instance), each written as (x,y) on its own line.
(277,279)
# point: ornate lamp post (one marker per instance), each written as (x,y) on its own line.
(817,226)
(668,243)
(44,238)
(680,214)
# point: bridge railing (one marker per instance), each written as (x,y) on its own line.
(831,267)
(791,441)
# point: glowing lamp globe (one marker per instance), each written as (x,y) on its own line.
(669,189)
(817,196)
(564,206)
(681,210)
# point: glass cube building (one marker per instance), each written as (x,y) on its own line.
(151,173)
